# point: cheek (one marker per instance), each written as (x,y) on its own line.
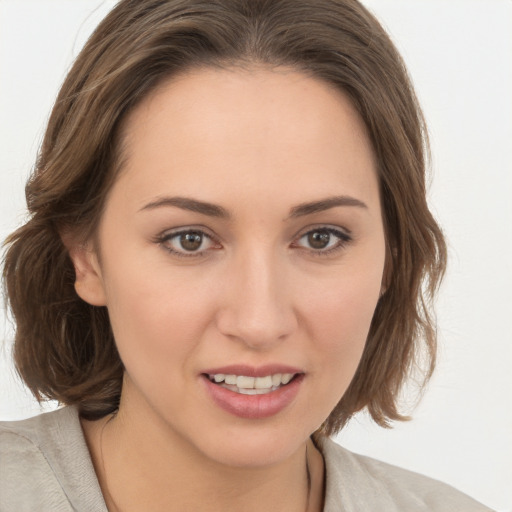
(157,317)
(339,320)
(342,311)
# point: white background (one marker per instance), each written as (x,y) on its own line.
(459,53)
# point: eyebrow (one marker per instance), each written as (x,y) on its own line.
(193,205)
(213,210)
(325,204)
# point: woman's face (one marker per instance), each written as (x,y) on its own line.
(242,243)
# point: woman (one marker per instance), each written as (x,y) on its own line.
(225,261)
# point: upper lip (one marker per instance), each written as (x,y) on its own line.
(252,371)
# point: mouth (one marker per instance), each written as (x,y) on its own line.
(248,385)
(253,392)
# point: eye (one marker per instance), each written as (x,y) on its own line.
(188,243)
(324,240)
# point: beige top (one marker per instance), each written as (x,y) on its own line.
(45,466)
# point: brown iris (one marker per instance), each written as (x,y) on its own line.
(191,241)
(319,239)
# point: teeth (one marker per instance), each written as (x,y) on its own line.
(263,382)
(230,379)
(253,385)
(286,377)
(276,379)
(254,391)
(245,382)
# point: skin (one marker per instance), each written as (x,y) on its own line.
(258,143)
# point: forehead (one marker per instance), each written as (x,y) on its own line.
(251,130)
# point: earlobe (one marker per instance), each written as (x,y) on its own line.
(88,276)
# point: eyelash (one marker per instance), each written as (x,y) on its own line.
(343,240)
(166,237)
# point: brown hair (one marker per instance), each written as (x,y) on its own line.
(64,348)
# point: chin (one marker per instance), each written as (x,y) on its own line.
(259,446)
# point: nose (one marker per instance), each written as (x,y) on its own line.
(257,307)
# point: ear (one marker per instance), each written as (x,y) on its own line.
(89,283)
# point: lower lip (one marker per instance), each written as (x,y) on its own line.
(254,406)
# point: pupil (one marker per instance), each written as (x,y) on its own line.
(319,239)
(191,241)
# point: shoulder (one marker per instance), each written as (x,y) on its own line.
(362,483)
(45,464)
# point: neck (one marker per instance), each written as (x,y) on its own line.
(170,474)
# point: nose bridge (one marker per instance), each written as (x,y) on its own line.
(258,308)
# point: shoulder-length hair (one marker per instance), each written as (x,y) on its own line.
(64,348)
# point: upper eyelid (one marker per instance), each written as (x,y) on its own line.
(319,227)
(166,236)
(169,233)
(343,237)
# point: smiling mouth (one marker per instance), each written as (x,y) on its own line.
(252,385)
